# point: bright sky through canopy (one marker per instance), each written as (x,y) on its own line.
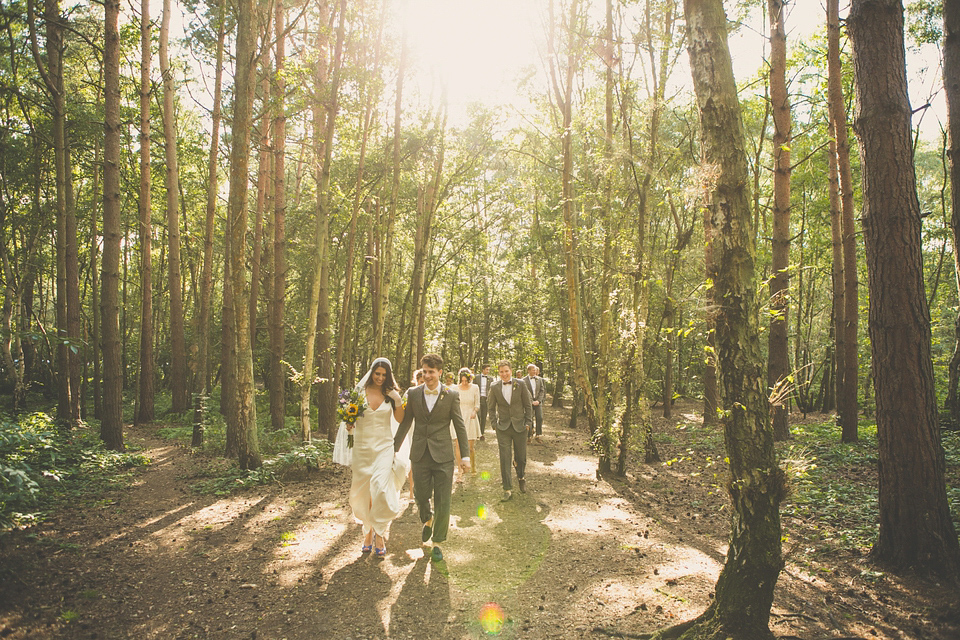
(476,47)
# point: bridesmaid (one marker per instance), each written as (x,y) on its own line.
(469,408)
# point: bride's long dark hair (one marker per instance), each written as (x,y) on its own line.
(389,382)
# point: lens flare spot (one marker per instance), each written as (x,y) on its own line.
(491,619)
(484,475)
(482,512)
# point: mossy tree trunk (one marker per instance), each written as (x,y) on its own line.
(744,591)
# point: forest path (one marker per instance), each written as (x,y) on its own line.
(574,557)
(157,560)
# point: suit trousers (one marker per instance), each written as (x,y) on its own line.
(434,479)
(483,414)
(538,418)
(508,439)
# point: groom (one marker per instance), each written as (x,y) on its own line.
(430,408)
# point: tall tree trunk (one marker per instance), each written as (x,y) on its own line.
(95,284)
(778,358)
(951,85)
(915,526)
(265,181)
(278,289)
(849,374)
(206,277)
(711,394)
(245,416)
(836,272)
(111,425)
(563,94)
(744,590)
(324,121)
(145,399)
(366,122)
(385,277)
(67,390)
(180,394)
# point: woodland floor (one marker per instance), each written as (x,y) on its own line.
(574,557)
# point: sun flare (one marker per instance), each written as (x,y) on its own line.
(476,48)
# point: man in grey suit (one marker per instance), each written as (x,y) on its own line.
(431,408)
(511,412)
(538,395)
(483,381)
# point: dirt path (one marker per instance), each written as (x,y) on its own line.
(573,557)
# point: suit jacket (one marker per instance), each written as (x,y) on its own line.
(476,381)
(518,413)
(431,429)
(541,393)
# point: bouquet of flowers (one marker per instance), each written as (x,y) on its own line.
(352,405)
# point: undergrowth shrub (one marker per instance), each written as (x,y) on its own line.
(39,464)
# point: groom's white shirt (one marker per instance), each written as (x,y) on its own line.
(431,398)
(506,388)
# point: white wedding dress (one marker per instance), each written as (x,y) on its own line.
(378,474)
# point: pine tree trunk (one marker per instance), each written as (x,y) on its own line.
(206,276)
(916,531)
(277,371)
(318,323)
(847,401)
(179,375)
(145,399)
(778,359)
(951,85)
(111,425)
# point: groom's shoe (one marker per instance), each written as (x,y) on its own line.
(427,530)
(436,555)
(522,483)
(507,495)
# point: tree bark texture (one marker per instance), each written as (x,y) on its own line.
(111,426)
(744,591)
(915,526)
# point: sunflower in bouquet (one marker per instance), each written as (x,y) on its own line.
(352,405)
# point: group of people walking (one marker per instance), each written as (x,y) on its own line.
(445,421)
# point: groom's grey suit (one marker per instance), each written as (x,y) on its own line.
(511,420)
(431,452)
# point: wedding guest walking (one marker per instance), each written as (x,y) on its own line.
(376,481)
(469,407)
(483,382)
(430,409)
(538,395)
(511,412)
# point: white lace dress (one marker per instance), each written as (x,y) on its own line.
(378,475)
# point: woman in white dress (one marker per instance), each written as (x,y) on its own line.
(469,408)
(378,474)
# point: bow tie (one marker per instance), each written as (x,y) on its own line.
(432,393)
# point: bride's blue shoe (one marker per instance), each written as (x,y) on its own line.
(366,548)
(380,551)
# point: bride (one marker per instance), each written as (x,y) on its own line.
(377,474)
